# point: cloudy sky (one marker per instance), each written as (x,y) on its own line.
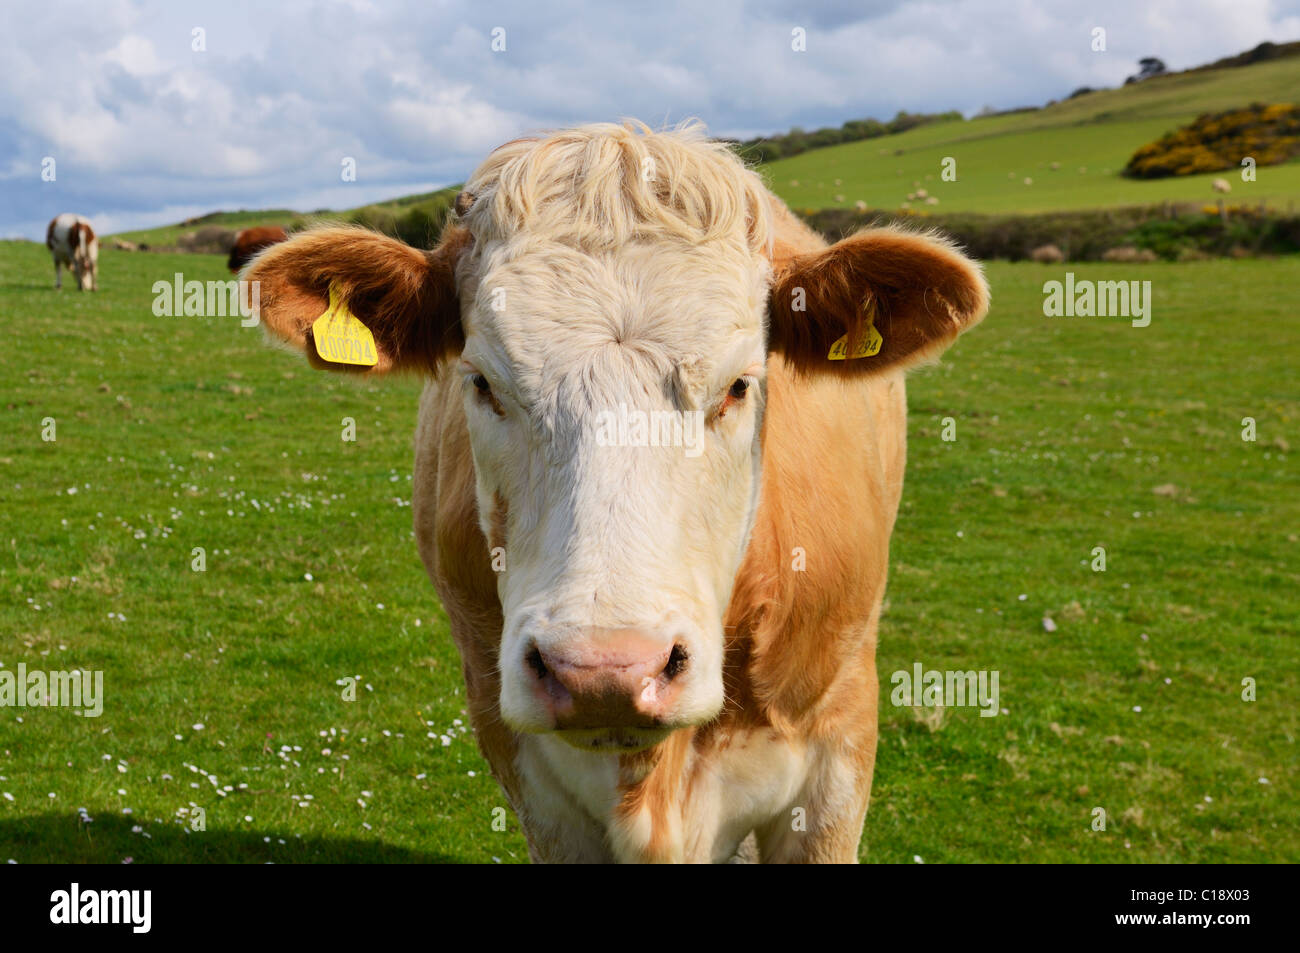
(149,121)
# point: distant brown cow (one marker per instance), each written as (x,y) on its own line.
(251,241)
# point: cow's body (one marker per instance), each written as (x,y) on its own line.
(72,242)
(666,646)
(799,727)
(250,241)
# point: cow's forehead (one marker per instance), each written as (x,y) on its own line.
(605,186)
(645,312)
(616,252)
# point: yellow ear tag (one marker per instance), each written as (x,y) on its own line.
(340,336)
(869,346)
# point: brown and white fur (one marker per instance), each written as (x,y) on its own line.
(662,652)
(73,244)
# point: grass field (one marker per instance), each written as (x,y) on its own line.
(1097,132)
(222,686)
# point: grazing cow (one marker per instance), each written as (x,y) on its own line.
(657,466)
(74,246)
(250,241)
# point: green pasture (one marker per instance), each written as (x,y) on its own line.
(222,687)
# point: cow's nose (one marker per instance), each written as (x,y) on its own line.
(609,678)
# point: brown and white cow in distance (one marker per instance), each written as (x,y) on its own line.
(250,241)
(665,648)
(74,246)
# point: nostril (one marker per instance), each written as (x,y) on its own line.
(676,662)
(535,662)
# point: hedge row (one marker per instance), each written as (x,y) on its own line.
(1170,232)
(792,143)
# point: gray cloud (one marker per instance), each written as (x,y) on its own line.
(145,129)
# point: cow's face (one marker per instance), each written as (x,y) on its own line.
(608,329)
(81,242)
(614,401)
(84,268)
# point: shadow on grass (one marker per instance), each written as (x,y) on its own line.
(110,840)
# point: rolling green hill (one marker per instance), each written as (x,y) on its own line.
(1090,137)
(375,214)
(165,235)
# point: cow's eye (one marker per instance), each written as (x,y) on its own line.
(735,395)
(485,395)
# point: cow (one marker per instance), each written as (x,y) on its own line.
(73,244)
(250,241)
(667,644)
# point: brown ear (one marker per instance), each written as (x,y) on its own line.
(917,291)
(406,297)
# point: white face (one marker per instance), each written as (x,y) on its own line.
(85,276)
(83,267)
(617,555)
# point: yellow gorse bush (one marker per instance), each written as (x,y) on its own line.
(1270,134)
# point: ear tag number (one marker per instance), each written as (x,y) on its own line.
(868,346)
(340,336)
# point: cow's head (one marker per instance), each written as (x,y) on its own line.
(85,254)
(604,292)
